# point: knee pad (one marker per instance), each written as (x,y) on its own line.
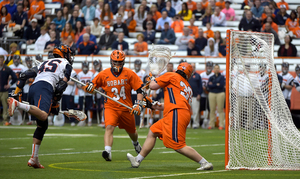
(41,129)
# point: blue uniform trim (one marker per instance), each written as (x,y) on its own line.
(175,126)
(171,95)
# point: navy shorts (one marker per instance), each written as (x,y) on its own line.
(67,102)
(88,102)
(25,97)
(204,104)
(40,95)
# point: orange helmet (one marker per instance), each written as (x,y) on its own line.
(117,59)
(186,68)
(64,51)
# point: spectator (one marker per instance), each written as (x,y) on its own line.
(67,30)
(107,16)
(185,13)
(170,10)
(257,10)
(96,28)
(146,8)
(207,16)
(199,12)
(122,3)
(120,27)
(79,31)
(282,2)
(177,5)
(192,5)
(155,13)
(196,84)
(298,13)
(88,31)
(87,47)
(139,17)
(193,49)
(182,41)
(76,18)
(100,8)
(128,7)
(149,19)
(70,43)
(204,4)
(267,13)
(249,22)
(5,73)
(107,39)
(13,51)
(20,19)
(212,5)
(26,6)
(65,13)
(167,35)
(130,22)
(42,40)
(216,97)
(211,50)
(88,10)
(47,22)
(221,4)
(3,3)
(83,3)
(161,21)
(149,33)
(177,25)
(120,44)
(246,9)
(228,11)
(77,8)
(113,4)
(268,28)
(11,7)
(5,16)
(49,46)
(291,22)
(59,20)
(160,4)
(273,24)
(193,29)
(220,43)
(141,47)
(287,49)
(282,16)
(37,10)
(218,18)
(201,41)
(296,32)
(32,32)
(274,8)
(121,12)
(287,83)
(208,33)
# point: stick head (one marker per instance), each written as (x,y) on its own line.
(159,57)
(79,115)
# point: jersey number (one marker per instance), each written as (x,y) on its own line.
(187,91)
(116,93)
(49,66)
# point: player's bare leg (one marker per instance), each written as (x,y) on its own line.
(135,142)
(108,141)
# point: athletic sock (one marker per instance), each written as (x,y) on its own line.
(139,158)
(135,142)
(89,116)
(202,161)
(23,106)
(151,121)
(35,150)
(108,149)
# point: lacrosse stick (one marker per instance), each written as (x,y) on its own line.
(158,59)
(97,91)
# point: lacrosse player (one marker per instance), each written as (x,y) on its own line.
(177,115)
(117,82)
(50,81)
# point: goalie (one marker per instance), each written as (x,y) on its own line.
(177,114)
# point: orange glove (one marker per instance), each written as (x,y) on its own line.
(89,87)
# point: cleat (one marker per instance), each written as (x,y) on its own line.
(12,103)
(206,166)
(209,128)
(35,164)
(137,148)
(7,123)
(106,155)
(73,124)
(102,125)
(89,124)
(81,123)
(221,128)
(132,160)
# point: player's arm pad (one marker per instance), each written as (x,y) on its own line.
(31,73)
(140,91)
(68,71)
(61,86)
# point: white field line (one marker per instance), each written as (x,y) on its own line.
(100,151)
(222,153)
(16,148)
(167,152)
(54,135)
(178,174)
(33,127)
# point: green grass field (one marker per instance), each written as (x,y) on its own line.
(75,152)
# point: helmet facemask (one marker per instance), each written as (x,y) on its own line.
(116,66)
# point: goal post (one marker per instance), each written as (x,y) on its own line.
(259,133)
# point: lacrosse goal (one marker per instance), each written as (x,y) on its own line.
(260,133)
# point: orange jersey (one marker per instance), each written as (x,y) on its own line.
(192,6)
(64,35)
(177,26)
(283,3)
(221,5)
(3,3)
(107,19)
(177,92)
(141,47)
(35,7)
(6,18)
(209,34)
(156,16)
(204,4)
(273,25)
(194,31)
(291,24)
(118,87)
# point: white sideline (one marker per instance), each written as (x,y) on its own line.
(100,151)
(179,174)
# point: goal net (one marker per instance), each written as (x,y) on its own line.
(260,133)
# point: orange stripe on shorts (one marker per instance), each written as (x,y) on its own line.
(39,101)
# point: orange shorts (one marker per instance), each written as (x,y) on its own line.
(123,119)
(172,128)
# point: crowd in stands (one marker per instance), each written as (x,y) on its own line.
(108,19)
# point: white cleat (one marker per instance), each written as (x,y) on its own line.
(34,163)
(73,124)
(132,160)
(137,148)
(206,166)
(81,123)
(106,155)
(89,124)
(12,103)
